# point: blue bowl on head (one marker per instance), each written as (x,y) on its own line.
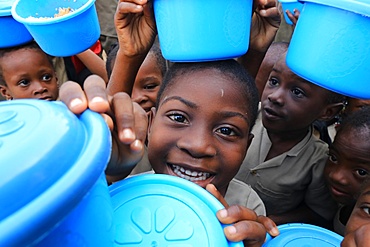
(12,32)
(290,5)
(64,35)
(330,46)
(53,190)
(203,30)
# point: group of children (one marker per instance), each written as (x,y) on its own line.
(252,147)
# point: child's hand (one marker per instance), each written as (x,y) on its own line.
(265,23)
(293,17)
(246,225)
(127,120)
(358,238)
(135,26)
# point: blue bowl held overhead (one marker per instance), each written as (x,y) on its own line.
(12,32)
(53,191)
(205,30)
(330,46)
(71,33)
(290,5)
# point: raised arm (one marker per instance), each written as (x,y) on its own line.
(136,30)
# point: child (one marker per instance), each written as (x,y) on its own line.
(149,76)
(348,164)
(201,142)
(273,53)
(27,72)
(285,161)
(358,226)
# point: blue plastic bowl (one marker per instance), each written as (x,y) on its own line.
(12,32)
(203,30)
(303,235)
(330,46)
(164,210)
(53,190)
(62,36)
(290,5)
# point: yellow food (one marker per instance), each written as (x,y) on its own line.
(63,11)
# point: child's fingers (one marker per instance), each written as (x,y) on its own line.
(95,90)
(133,6)
(269,225)
(252,233)
(125,117)
(141,122)
(211,188)
(73,96)
(236,213)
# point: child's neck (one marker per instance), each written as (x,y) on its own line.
(282,142)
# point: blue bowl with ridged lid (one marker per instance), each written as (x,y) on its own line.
(53,190)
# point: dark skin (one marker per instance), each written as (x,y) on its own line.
(289,106)
(358,226)
(135,17)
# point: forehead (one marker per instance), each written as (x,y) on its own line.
(207,83)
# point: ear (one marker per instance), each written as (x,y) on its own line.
(250,139)
(5,92)
(330,111)
(151,117)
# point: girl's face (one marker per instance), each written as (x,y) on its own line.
(200,131)
(147,83)
(348,164)
(290,103)
(28,74)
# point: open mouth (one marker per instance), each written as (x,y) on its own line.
(191,175)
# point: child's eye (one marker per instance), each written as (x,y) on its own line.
(46,77)
(297,92)
(361,172)
(24,83)
(226,131)
(150,86)
(273,81)
(178,118)
(332,158)
(366,209)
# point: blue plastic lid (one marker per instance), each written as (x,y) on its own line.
(49,160)
(361,7)
(303,235)
(164,210)
(5,7)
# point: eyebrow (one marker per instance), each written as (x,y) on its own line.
(192,105)
(182,100)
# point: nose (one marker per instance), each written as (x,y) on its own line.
(276,96)
(338,175)
(138,97)
(39,87)
(198,142)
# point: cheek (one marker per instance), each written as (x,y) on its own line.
(355,221)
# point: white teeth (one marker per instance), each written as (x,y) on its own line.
(190,175)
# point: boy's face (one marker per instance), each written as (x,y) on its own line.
(147,83)
(28,74)
(289,102)
(348,165)
(201,130)
(361,213)
(355,105)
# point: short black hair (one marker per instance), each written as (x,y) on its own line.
(227,68)
(30,45)
(357,120)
